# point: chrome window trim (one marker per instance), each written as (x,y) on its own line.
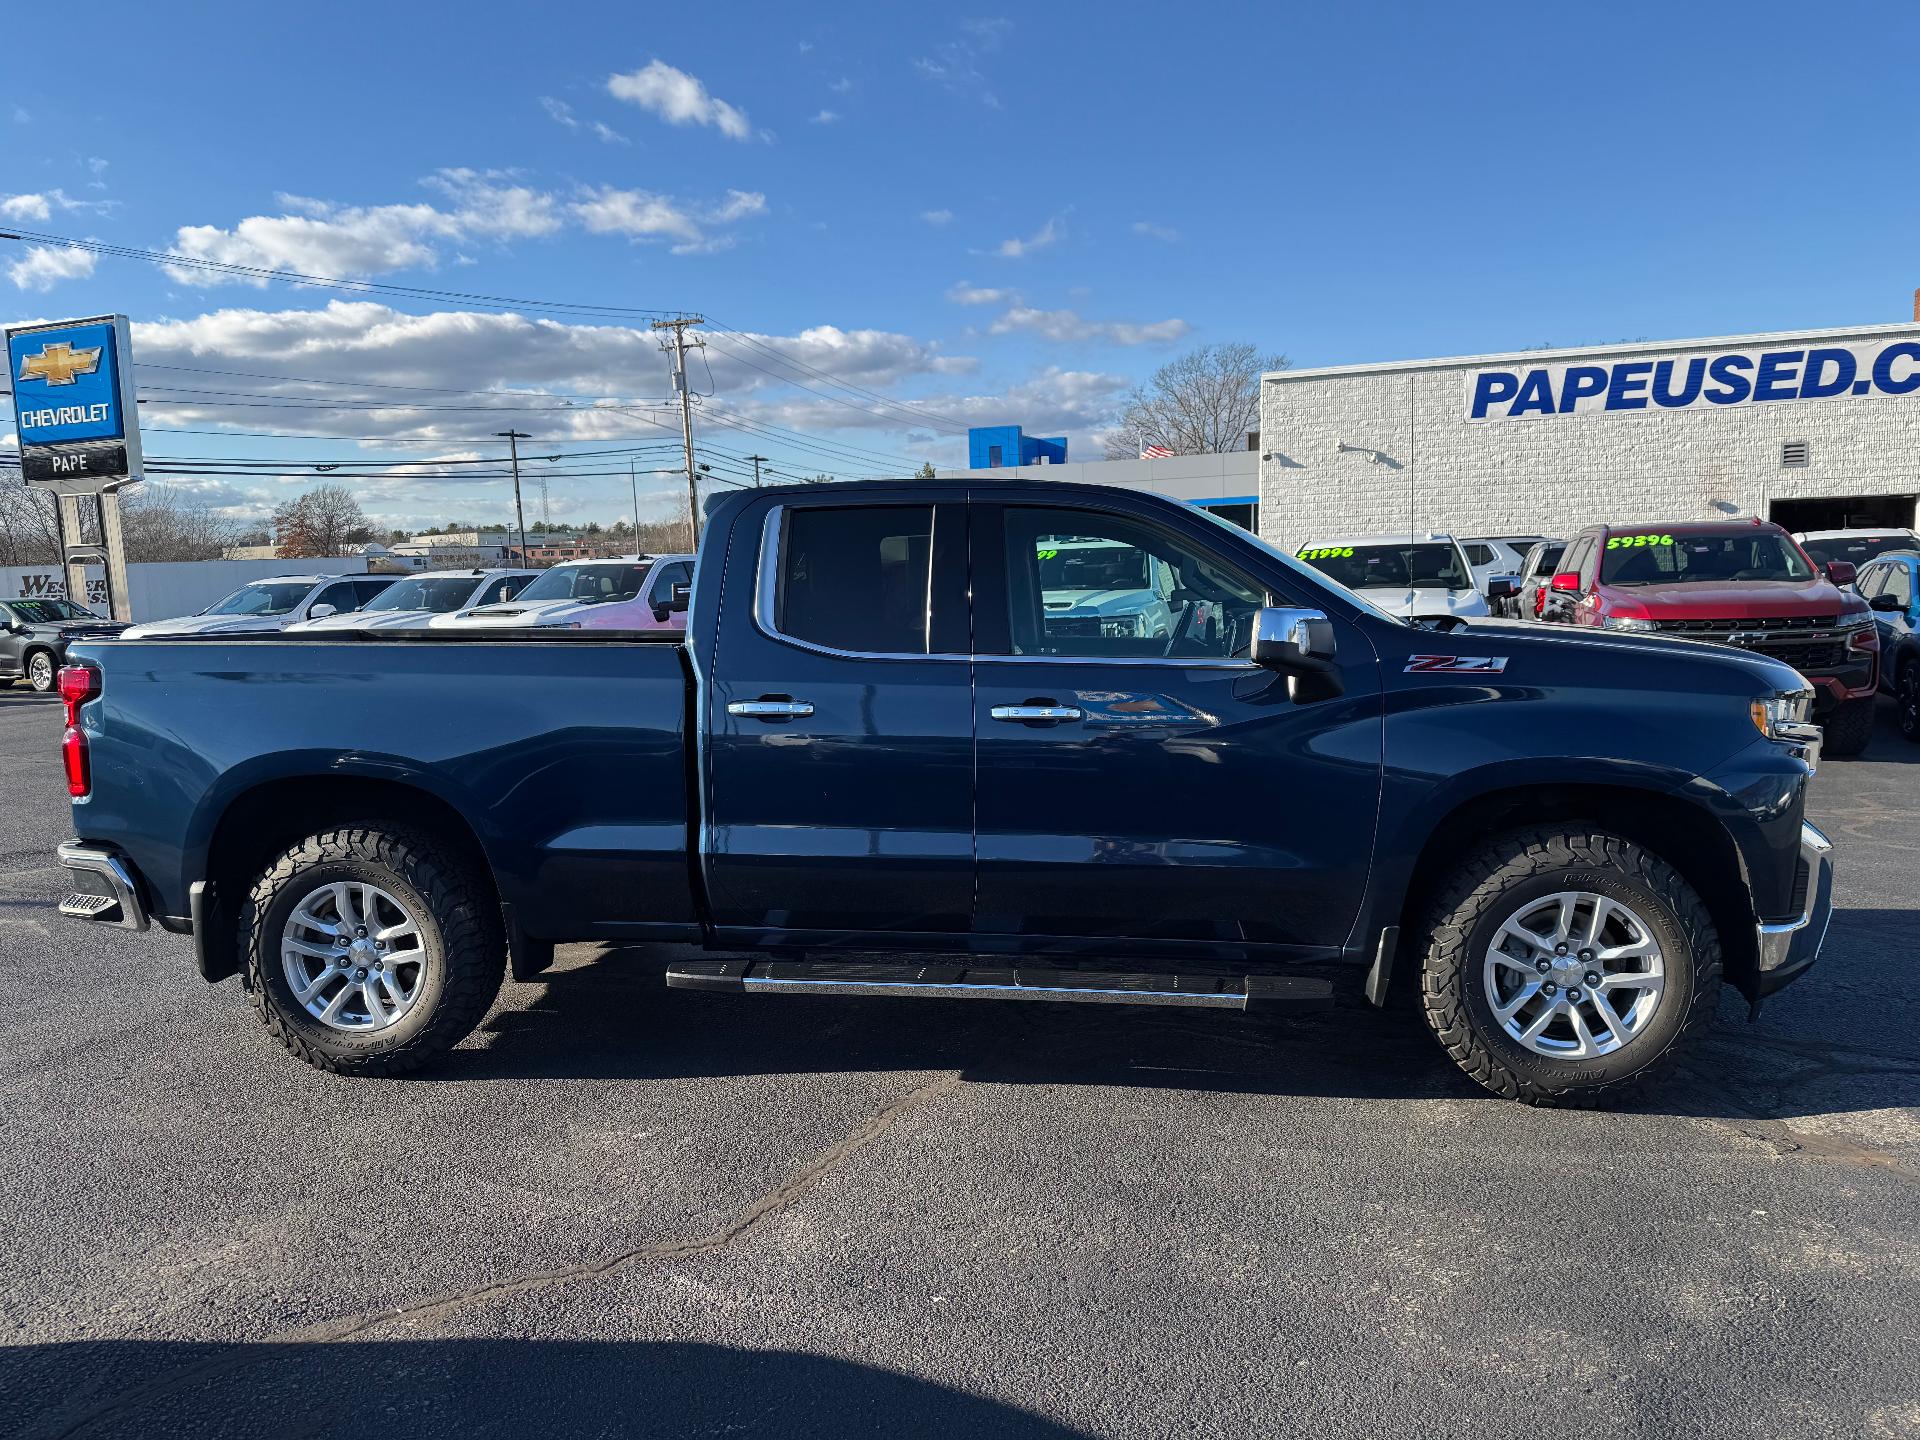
(767,585)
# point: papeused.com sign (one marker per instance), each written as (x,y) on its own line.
(1696,382)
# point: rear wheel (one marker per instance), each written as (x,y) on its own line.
(1567,967)
(1906,694)
(41,674)
(371,950)
(1849,727)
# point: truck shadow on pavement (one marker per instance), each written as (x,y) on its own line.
(611,1016)
(477,1388)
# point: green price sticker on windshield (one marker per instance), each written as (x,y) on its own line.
(1046,554)
(1328,552)
(1634,542)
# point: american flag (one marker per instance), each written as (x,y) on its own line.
(1155,452)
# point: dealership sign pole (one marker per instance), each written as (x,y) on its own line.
(79,430)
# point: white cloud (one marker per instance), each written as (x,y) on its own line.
(96,164)
(679,99)
(937,217)
(21,116)
(41,205)
(964,293)
(825,117)
(1046,235)
(1155,232)
(562,113)
(489,203)
(955,64)
(1066,326)
(842,86)
(645,215)
(45,266)
(25,207)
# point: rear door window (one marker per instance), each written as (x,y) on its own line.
(856,579)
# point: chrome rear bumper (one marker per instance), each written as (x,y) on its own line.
(104,889)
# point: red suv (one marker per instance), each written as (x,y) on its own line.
(1731,583)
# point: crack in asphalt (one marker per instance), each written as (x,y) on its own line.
(772,1203)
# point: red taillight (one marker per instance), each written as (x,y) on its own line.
(73,750)
(78,684)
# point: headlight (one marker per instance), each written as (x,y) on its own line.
(1784,716)
(1628,622)
(1856,620)
(1123,626)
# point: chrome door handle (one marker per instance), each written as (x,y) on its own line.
(1029,713)
(771,709)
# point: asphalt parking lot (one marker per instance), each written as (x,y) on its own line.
(623,1210)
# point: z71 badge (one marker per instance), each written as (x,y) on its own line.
(1457,664)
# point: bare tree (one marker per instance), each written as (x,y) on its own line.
(322,522)
(29,523)
(165,522)
(1202,403)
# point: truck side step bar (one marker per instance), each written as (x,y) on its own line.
(975,982)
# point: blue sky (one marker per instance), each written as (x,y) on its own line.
(980,215)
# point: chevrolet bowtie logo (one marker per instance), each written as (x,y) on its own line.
(58,363)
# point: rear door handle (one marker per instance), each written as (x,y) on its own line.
(771,709)
(1027,714)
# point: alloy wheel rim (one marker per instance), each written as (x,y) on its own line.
(1574,975)
(354,957)
(40,673)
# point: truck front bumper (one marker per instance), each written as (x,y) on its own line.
(1788,948)
(104,888)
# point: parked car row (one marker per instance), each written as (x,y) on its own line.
(1747,584)
(634,592)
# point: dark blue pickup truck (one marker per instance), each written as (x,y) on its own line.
(900,754)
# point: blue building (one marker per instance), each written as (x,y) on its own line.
(995,447)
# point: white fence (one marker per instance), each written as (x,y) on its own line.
(163,590)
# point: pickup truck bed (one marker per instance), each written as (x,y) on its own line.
(882,734)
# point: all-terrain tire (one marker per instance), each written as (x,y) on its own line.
(460,929)
(1849,727)
(1464,917)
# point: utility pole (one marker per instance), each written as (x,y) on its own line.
(513,439)
(757,461)
(633,479)
(678,348)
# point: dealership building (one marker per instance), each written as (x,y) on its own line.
(1815,429)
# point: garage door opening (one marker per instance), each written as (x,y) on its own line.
(1848,512)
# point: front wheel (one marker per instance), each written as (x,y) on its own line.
(371,950)
(1568,967)
(40,672)
(1849,727)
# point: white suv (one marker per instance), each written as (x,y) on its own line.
(1420,578)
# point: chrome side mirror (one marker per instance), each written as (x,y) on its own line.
(320,612)
(1287,638)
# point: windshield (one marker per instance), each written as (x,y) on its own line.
(1857,548)
(49,612)
(589,584)
(1092,566)
(1656,558)
(1420,564)
(439,596)
(265,599)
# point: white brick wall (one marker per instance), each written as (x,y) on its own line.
(1436,470)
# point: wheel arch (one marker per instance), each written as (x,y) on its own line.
(46,648)
(263,820)
(1683,833)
